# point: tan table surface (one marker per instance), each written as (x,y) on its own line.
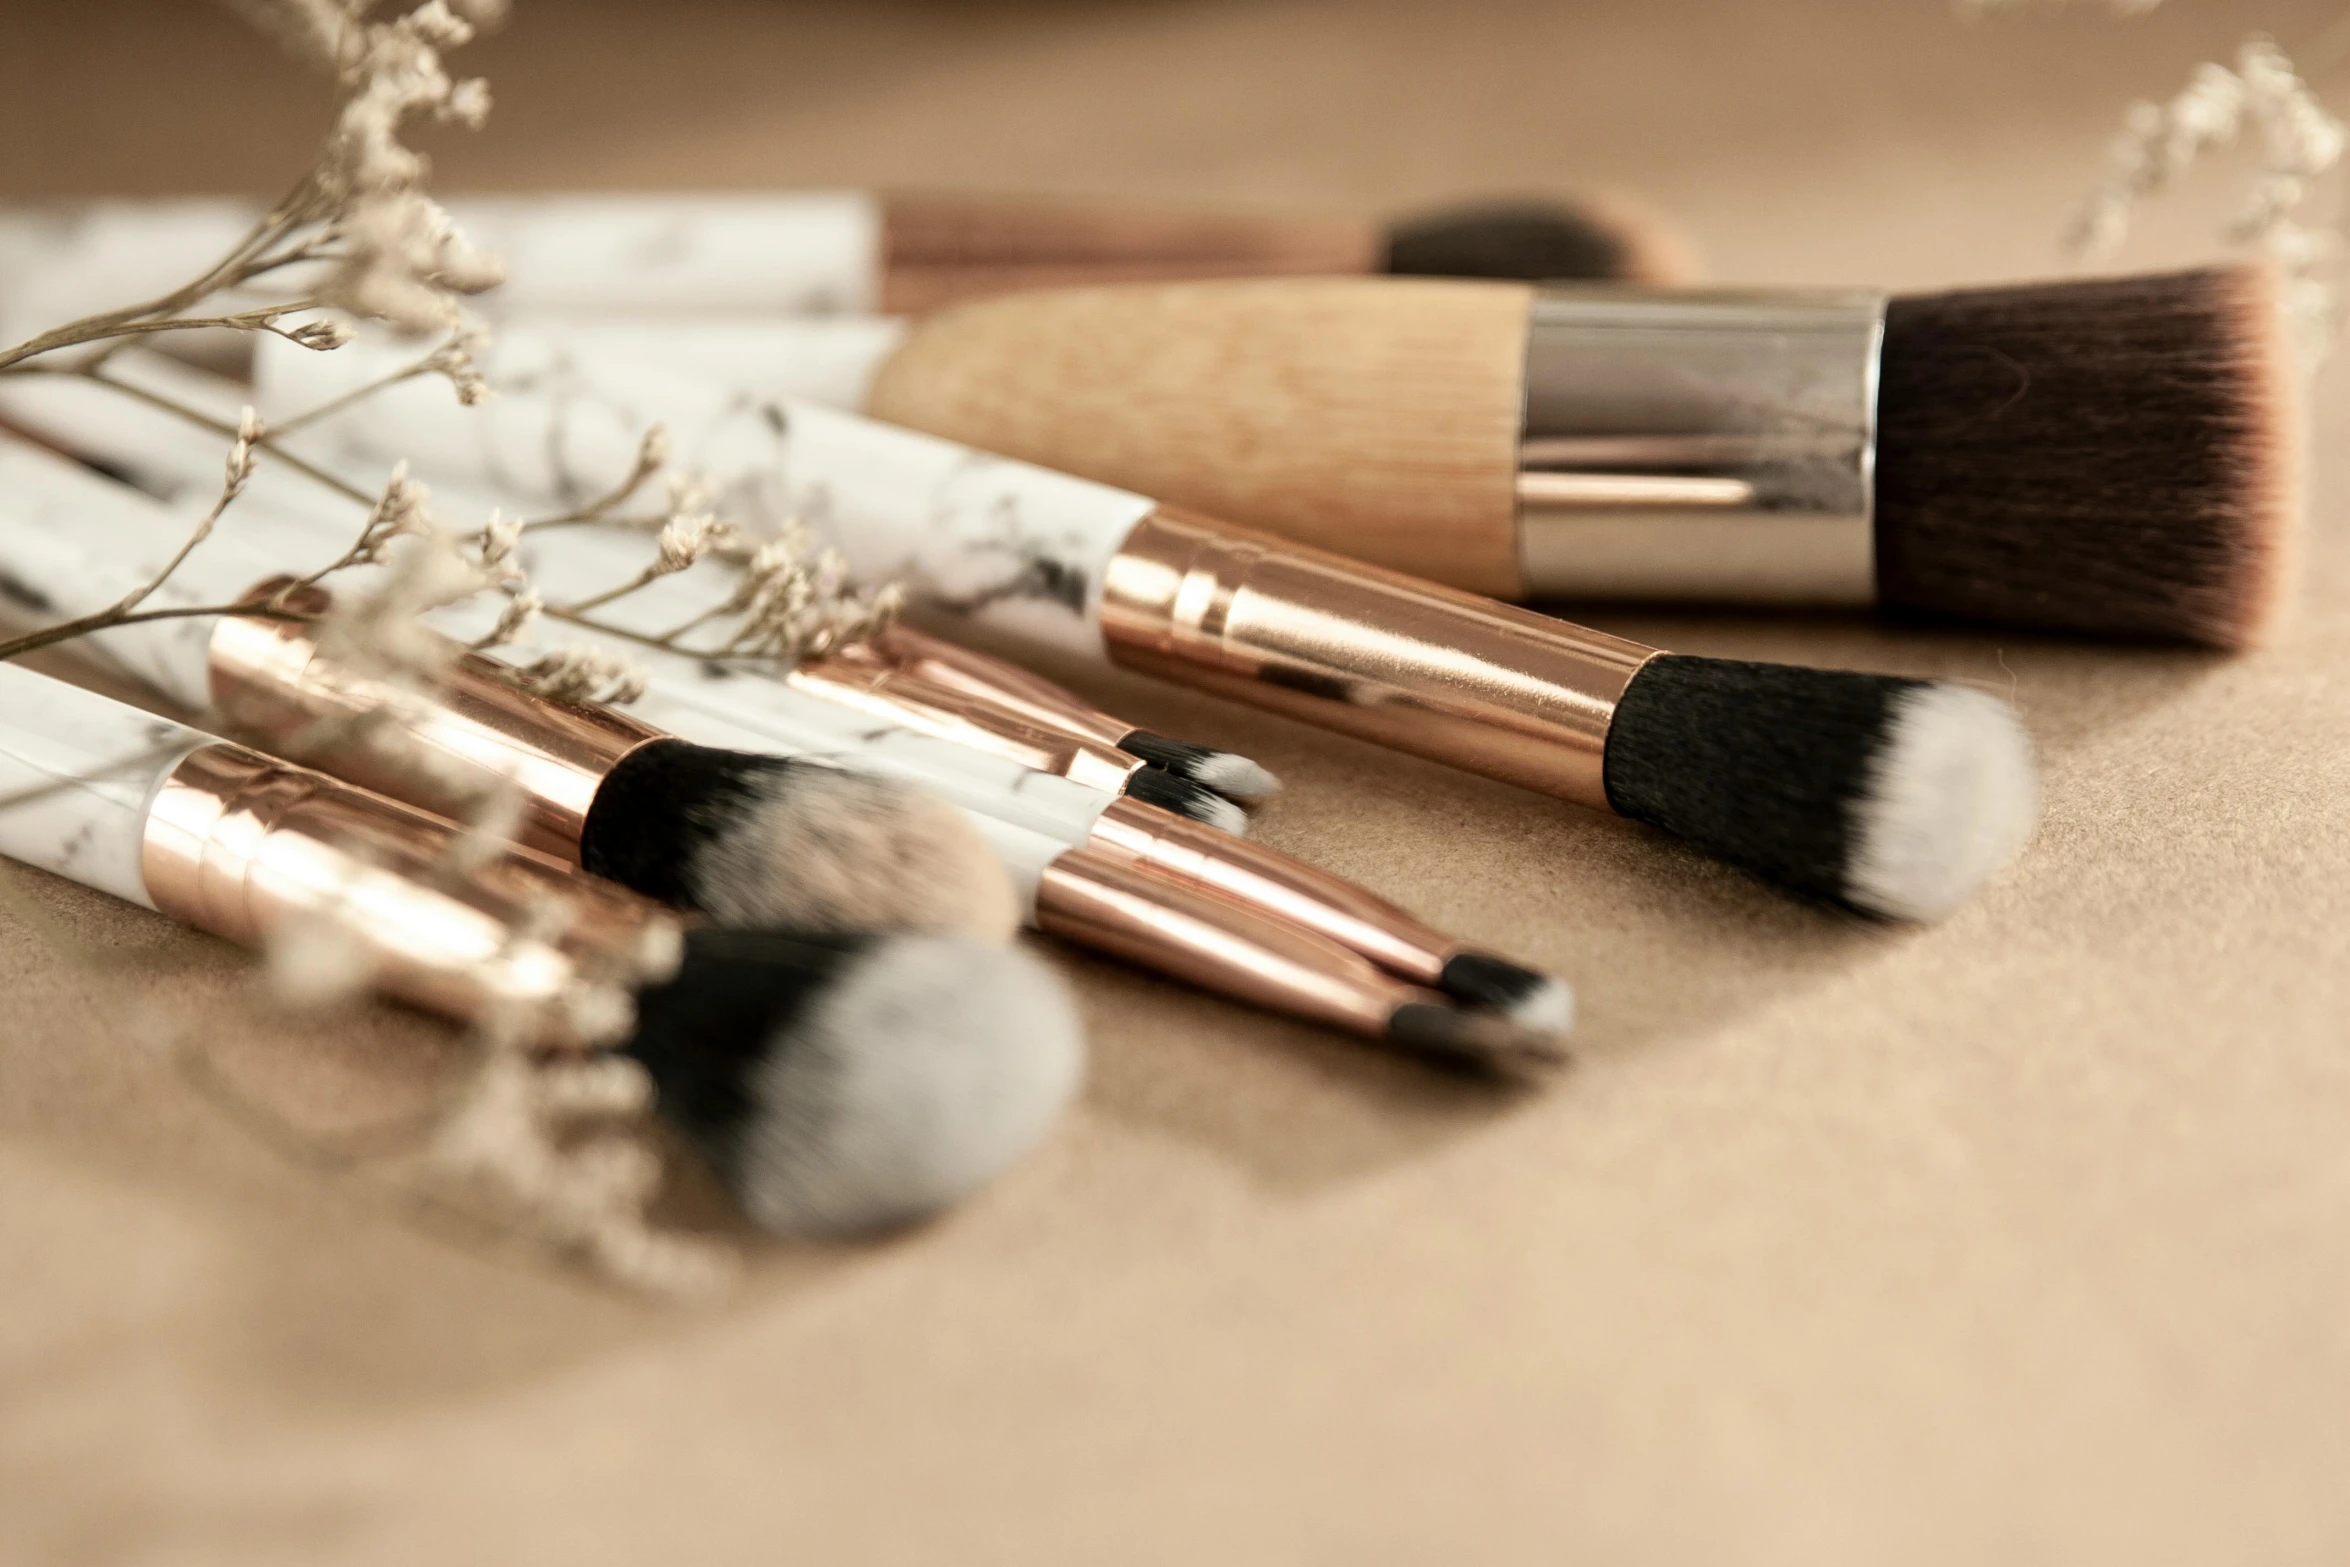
(2023,1239)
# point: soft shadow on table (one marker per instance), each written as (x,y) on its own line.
(153,1072)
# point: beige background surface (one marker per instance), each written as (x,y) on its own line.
(2023,1239)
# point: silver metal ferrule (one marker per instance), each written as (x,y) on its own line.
(1702,445)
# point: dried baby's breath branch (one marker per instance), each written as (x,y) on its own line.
(2300,142)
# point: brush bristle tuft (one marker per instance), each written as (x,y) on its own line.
(1156,786)
(1895,797)
(1596,238)
(2119,456)
(1227,772)
(1525,996)
(776,841)
(844,1085)
(1482,1042)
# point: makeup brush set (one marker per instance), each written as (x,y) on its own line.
(1313,467)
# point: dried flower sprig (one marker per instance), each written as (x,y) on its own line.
(2299,143)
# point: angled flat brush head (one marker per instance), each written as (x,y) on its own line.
(2120,456)
(1590,238)
(845,1084)
(770,840)
(1899,798)
(1154,785)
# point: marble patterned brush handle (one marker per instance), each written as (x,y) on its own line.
(1006,544)
(77,771)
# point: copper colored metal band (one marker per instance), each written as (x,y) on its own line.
(274,688)
(854,678)
(1190,933)
(241,845)
(1426,669)
(1275,885)
(999,681)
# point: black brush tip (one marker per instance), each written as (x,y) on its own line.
(1156,786)
(1483,1043)
(2117,456)
(1227,772)
(1525,996)
(1596,239)
(771,840)
(1896,797)
(842,1084)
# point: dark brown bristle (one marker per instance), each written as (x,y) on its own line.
(2118,456)
(1596,236)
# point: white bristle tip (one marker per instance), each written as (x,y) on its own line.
(1952,796)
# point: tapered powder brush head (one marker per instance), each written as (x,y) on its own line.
(1159,787)
(1591,238)
(842,1085)
(1228,773)
(780,841)
(1896,797)
(2115,455)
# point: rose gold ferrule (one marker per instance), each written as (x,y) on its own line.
(1194,934)
(856,678)
(242,845)
(1366,651)
(274,687)
(1274,885)
(999,681)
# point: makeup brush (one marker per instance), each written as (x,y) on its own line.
(831,252)
(957,694)
(839,1083)
(2113,456)
(746,839)
(1895,797)
(1244,921)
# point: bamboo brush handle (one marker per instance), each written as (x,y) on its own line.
(1373,417)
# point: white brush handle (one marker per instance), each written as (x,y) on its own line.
(284,518)
(802,253)
(1016,547)
(77,771)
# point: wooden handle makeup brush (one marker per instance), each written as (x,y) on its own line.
(2113,456)
(825,252)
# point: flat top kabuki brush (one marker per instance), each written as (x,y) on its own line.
(2113,456)
(1899,797)
(744,838)
(824,252)
(839,1082)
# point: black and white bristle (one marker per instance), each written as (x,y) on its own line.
(1900,798)
(781,841)
(1156,786)
(1594,238)
(2121,456)
(1229,773)
(847,1084)
(1527,997)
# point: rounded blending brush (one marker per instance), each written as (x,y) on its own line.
(2112,456)
(839,1082)
(743,838)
